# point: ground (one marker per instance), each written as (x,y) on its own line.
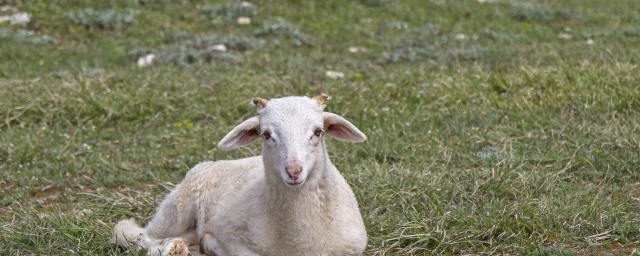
(494,126)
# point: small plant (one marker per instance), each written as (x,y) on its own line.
(632,32)
(102,19)
(231,42)
(242,43)
(398,54)
(207,49)
(491,153)
(229,11)
(376,2)
(536,13)
(397,25)
(143,2)
(185,55)
(426,43)
(184,123)
(498,36)
(282,28)
(26,36)
(471,53)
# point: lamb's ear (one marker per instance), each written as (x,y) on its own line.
(241,135)
(341,129)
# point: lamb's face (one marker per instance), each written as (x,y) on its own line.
(292,129)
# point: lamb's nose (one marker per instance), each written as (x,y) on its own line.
(294,172)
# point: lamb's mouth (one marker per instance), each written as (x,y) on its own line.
(294,183)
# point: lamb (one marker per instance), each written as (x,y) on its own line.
(290,201)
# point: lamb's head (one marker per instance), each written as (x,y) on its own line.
(293,130)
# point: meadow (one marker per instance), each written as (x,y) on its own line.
(495,127)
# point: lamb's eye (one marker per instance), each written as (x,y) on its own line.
(266,135)
(317,132)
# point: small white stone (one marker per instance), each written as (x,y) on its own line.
(219,48)
(460,36)
(565,36)
(246,4)
(334,74)
(8,8)
(356,49)
(146,60)
(244,20)
(21,18)
(589,41)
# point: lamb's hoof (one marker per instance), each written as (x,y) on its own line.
(176,246)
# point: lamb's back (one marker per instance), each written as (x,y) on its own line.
(209,184)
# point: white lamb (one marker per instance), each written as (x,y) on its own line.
(290,201)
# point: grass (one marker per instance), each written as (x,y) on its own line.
(494,127)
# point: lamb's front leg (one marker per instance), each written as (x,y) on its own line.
(209,245)
(172,227)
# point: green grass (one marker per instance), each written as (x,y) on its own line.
(516,138)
